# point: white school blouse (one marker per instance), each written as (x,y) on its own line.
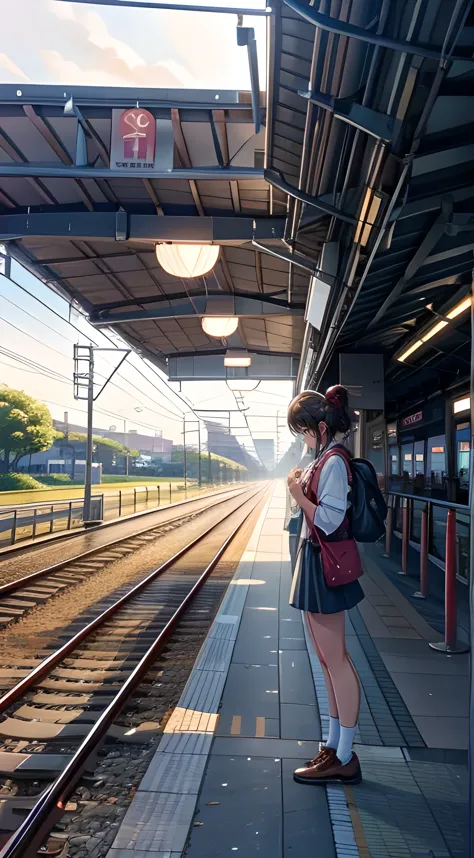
(333,489)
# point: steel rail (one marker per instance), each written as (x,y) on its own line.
(35,675)
(51,804)
(19,583)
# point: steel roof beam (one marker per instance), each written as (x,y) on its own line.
(375,124)
(293,258)
(179,7)
(59,150)
(204,174)
(276,179)
(193,306)
(344,28)
(431,203)
(419,259)
(131,227)
(177,296)
(222,351)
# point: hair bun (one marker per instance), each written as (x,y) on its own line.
(338,396)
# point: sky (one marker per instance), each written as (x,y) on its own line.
(37,336)
(74,44)
(68,43)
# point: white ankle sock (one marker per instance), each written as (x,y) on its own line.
(334,732)
(344,747)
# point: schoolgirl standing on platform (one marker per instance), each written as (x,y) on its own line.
(326,576)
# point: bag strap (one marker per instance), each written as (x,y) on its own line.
(313,481)
(337,450)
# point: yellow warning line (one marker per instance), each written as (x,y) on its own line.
(260,731)
(236,725)
(359,835)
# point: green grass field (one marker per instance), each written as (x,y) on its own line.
(9,498)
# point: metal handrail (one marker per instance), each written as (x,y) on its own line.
(423,498)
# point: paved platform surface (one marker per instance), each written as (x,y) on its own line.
(255,706)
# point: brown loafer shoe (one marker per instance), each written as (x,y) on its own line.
(325,754)
(330,771)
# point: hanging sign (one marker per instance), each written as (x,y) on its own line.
(413,418)
(140,142)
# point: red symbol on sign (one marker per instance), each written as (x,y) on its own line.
(138,132)
(413,418)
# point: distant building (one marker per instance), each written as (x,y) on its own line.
(265,448)
(221,442)
(151,445)
(60,457)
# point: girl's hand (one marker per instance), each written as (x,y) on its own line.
(296,491)
(294,474)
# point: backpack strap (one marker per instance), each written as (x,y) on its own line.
(343,452)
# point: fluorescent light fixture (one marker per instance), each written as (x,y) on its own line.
(459,308)
(462,405)
(220,326)
(237,357)
(434,330)
(368,216)
(437,328)
(410,351)
(187,260)
(244,384)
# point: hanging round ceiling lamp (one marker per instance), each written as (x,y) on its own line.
(187,260)
(243,384)
(220,326)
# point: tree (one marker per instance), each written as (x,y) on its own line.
(26,427)
(105,449)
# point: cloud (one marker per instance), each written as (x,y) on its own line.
(9,66)
(70,44)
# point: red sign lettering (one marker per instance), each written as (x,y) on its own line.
(413,418)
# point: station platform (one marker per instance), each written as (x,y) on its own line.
(255,707)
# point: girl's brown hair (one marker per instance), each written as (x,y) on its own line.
(309,409)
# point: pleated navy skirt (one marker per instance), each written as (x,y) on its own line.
(309,591)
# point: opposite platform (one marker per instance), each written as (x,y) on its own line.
(255,706)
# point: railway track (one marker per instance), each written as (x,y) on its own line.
(84,534)
(59,711)
(22,594)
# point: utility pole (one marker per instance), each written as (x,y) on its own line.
(89,447)
(126,445)
(84,389)
(184,454)
(199,455)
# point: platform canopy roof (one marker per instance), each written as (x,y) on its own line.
(87,222)
(371,111)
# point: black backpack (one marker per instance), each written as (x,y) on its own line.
(368,509)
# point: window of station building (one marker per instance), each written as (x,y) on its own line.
(407,460)
(437,459)
(394,462)
(463,432)
(419,458)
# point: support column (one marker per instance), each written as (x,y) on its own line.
(471,592)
